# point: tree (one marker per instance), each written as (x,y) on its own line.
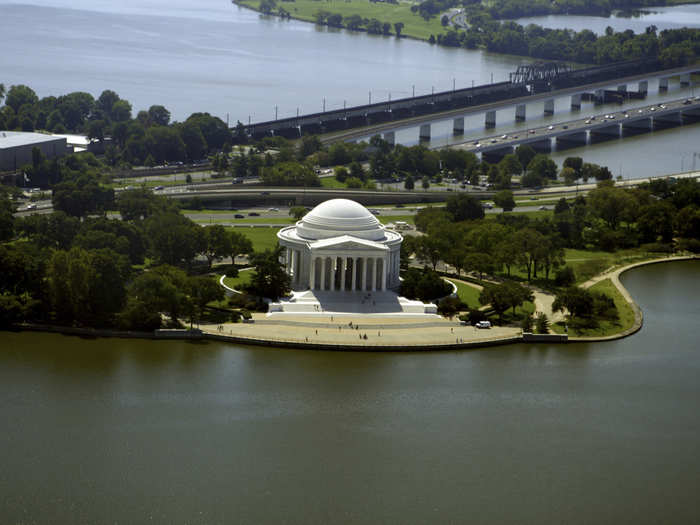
(464,207)
(202,290)
(575,163)
(2,91)
(425,183)
(504,296)
(569,176)
(175,240)
(270,279)
(398,27)
(542,323)
(106,101)
(510,165)
(289,174)
(158,115)
(578,302)
(409,184)
(164,144)
(195,144)
(543,167)
(217,243)
(423,284)
(297,212)
(525,154)
(240,244)
(19,95)
(81,196)
(504,199)
(121,111)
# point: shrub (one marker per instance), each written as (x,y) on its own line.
(565,276)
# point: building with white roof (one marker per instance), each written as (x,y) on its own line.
(16,148)
(340,246)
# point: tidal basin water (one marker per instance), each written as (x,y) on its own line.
(130,431)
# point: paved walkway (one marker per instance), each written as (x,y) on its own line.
(348,330)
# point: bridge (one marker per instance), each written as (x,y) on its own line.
(520,85)
(598,128)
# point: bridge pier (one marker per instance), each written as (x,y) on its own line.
(576,101)
(424,133)
(622,88)
(491,119)
(643,86)
(390,137)
(607,132)
(599,96)
(663,83)
(669,120)
(549,106)
(571,140)
(520,110)
(458,126)
(685,80)
(636,126)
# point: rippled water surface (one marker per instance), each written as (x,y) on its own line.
(131,431)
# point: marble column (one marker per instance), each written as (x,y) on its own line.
(385,273)
(323,274)
(334,262)
(312,273)
(354,273)
(364,273)
(343,269)
(374,274)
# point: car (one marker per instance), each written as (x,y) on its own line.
(487,206)
(515,136)
(253,214)
(588,121)
(477,145)
(593,117)
(450,189)
(493,141)
(504,136)
(238,180)
(611,117)
(531,131)
(625,115)
(550,128)
(687,101)
(565,126)
(238,216)
(652,109)
(158,188)
(264,193)
(274,209)
(662,106)
(640,111)
(542,208)
(483,324)
(31,206)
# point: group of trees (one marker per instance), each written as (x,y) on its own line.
(358,23)
(673,47)
(148,138)
(659,216)
(77,267)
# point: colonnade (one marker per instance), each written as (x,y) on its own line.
(342,272)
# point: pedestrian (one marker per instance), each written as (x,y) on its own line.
(316,331)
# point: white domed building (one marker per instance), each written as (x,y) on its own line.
(337,256)
(341,246)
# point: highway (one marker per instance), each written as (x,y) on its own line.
(593,123)
(359,133)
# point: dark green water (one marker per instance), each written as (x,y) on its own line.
(119,431)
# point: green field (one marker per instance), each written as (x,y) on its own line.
(244,277)
(262,238)
(467,294)
(414,25)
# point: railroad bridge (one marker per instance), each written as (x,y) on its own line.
(527,80)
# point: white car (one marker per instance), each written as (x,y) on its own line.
(483,324)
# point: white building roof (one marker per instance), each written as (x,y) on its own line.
(13,139)
(347,241)
(337,217)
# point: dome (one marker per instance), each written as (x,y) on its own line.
(337,217)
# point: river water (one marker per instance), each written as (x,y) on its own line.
(666,17)
(232,62)
(130,431)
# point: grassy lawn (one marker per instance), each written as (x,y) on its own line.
(262,238)
(244,277)
(606,328)
(386,219)
(467,294)
(414,25)
(588,263)
(332,183)
(206,219)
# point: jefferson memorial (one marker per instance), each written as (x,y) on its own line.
(337,257)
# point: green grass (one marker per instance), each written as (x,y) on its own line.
(244,277)
(589,263)
(332,183)
(605,327)
(467,294)
(248,220)
(414,25)
(386,219)
(262,238)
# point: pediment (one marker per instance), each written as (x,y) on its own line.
(346,242)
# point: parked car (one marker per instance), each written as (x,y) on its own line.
(238,216)
(483,324)
(253,214)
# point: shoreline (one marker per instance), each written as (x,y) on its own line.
(397,338)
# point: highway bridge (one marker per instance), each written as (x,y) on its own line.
(388,111)
(590,129)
